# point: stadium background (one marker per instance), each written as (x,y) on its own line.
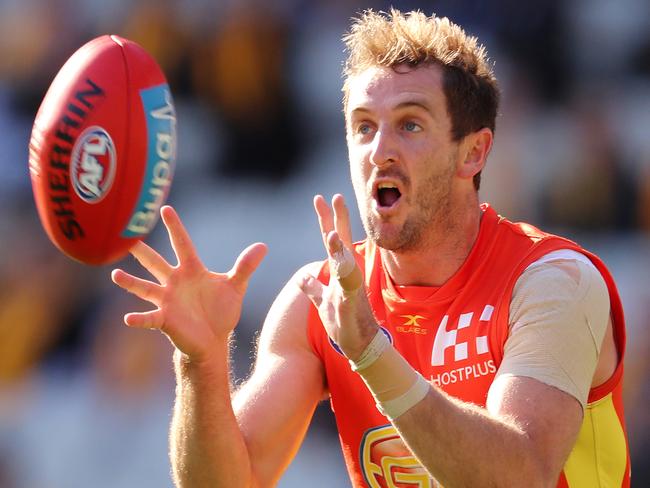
(85,401)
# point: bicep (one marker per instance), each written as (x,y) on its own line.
(275,405)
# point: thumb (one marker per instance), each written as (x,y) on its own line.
(246,264)
(313,288)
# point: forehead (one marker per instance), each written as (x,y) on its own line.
(381,87)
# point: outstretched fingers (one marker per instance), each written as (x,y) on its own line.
(325,217)
(337,237)
(145,320)
(179,237)
(246,264)
(336,218)
(151,261)
(144,289)
(342,219)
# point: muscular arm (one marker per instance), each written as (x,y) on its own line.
(275,406)
(206,445)
(214,443)
(521,439)
(251,442)
(526,433)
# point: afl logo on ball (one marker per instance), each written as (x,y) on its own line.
(92,165)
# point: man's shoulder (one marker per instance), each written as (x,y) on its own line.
(286,321)
(528,230)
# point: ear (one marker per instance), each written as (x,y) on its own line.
(475,148)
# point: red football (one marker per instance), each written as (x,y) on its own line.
(102,150)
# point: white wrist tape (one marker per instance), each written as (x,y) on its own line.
(392,409)
(342,263)
(377,346)
(394,384)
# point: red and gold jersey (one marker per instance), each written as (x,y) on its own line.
(454,336)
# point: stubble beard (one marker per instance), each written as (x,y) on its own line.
(430,216)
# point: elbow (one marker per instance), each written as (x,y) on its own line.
(530,469)
(537,472)
(528,478)
(548,477)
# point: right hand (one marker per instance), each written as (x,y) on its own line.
(343,304)
(197,308)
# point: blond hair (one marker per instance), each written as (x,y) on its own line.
(413,39)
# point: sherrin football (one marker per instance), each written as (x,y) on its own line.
(102,150)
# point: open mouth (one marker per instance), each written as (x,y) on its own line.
(387,195)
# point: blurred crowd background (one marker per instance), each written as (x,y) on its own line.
(85,401)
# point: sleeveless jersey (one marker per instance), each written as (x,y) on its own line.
(454,336)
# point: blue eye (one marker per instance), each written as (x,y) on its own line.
(363,129)
(412,127)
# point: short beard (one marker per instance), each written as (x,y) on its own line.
(434,211)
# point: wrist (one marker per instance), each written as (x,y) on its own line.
(214,363)
(354,349)
(395,385)
(372,350)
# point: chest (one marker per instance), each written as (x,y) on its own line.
(451,344)
(454,345)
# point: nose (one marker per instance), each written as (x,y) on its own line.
(384,148)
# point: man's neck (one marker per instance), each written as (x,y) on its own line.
(433,263)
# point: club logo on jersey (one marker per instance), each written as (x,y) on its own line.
(386,461)
(336,347)
(92,164)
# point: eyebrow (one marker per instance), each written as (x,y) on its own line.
(401,106)
(414,103)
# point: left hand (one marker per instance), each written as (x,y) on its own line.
(342,305)
(197,309)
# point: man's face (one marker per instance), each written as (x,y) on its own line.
(402,157)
